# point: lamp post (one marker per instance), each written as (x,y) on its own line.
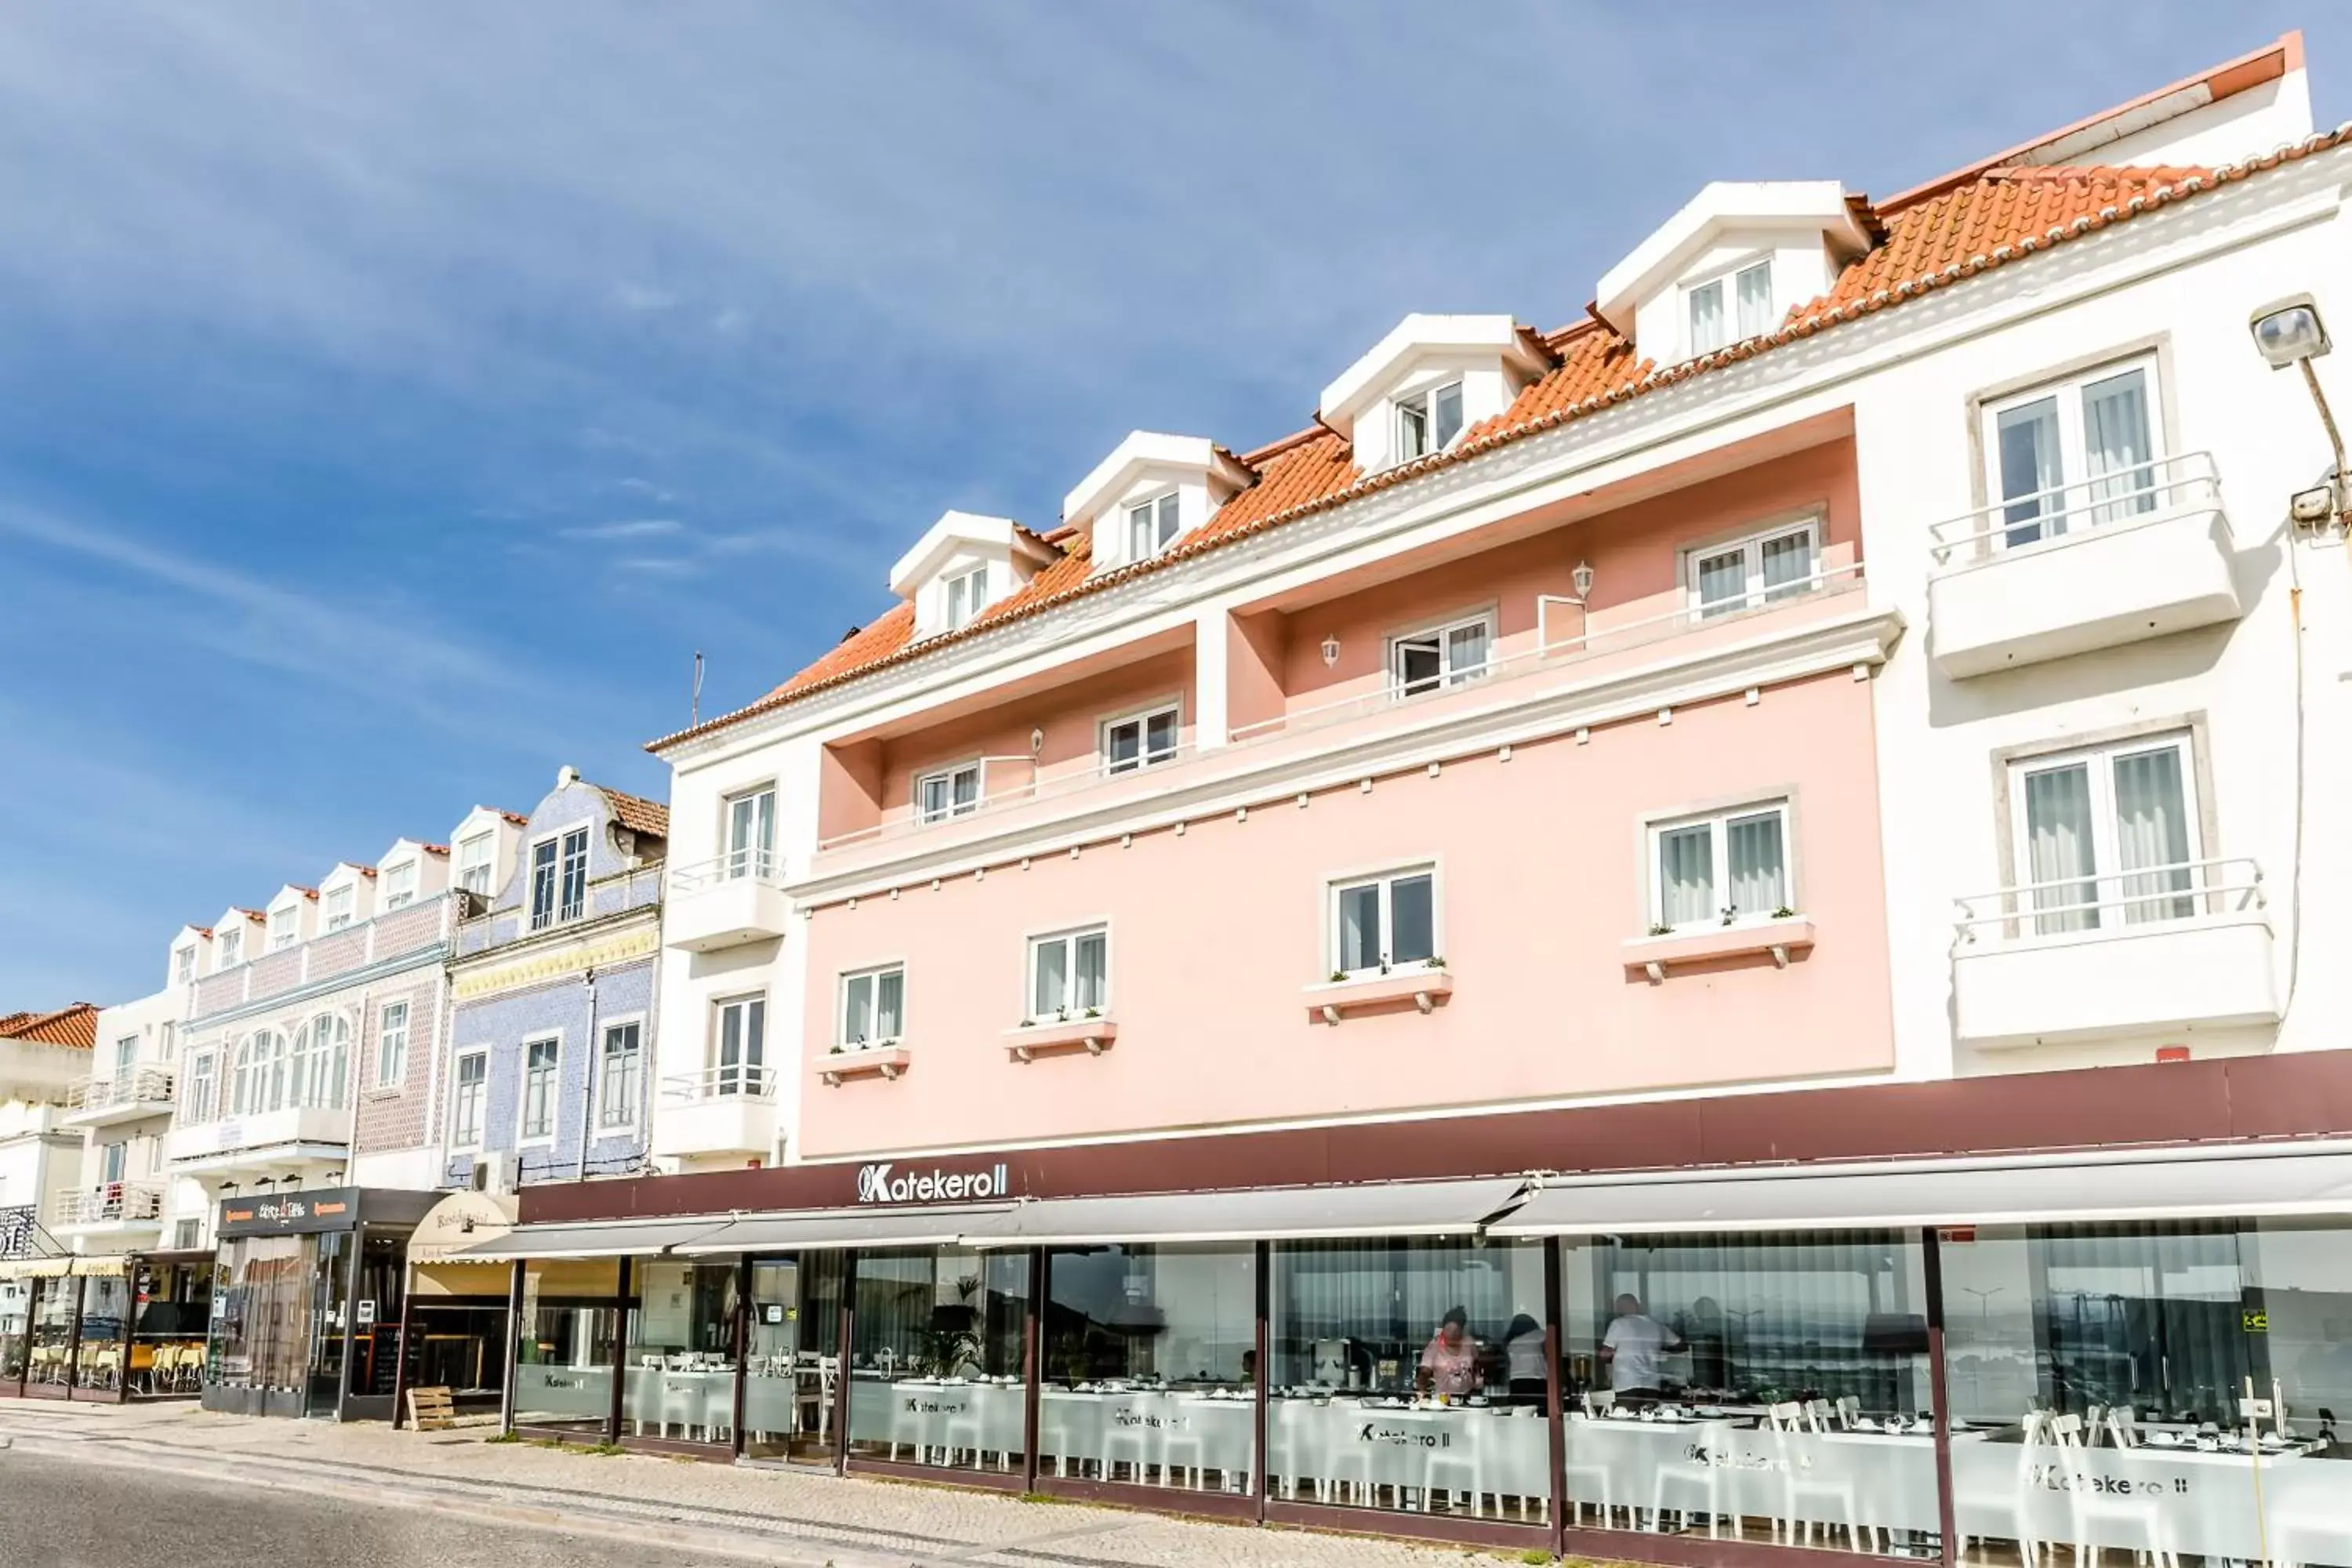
(2289,332)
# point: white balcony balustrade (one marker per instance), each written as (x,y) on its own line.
(2178,947)
(726,1110)
(125,1097)
(110,1205)
(264,1143)
(2093,564)
(735,898)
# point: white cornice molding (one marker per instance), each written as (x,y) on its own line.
(1811,376)
(1232,779)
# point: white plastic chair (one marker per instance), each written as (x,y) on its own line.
(2095,1512)
(1444,1471)
(1976,1514)
(1809,1479)
(1703,1476)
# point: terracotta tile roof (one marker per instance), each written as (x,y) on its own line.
(75,1024)
(254,915)
(1996,216)
(515,817)
(637,813)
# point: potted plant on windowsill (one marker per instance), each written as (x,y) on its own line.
(1781,935)
(1090,1030)
(860,1058)
(1389,987)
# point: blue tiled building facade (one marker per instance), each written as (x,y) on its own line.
(551,1048)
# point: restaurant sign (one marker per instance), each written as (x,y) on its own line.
(17,1229)
(884,1182)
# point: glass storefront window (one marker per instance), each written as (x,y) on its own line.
(1148,1370)
(935,1365)
(2098,1376)
(1410,1374)
(569,1332)
(15,1319)
(51,1337)
(680,1362)
(793,1364)
(169,1316)
(261,1336)
(1762,1388)
(98,1356)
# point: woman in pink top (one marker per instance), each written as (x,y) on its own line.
(1450,1365)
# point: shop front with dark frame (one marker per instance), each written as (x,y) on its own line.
(104,1328)
(1872,1336)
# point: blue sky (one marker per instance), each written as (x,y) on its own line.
(394,397)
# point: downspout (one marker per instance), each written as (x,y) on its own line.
(587,1079)
(442,1005)
(351,1134)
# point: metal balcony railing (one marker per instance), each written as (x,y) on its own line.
(141,1086)
(764,865)
(2082,509)
(2082,906)
(737,1082)
(113,1203)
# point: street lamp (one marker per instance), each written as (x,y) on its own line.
(2289,332)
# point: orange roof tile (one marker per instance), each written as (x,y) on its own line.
(1998,215)
(74,1024)
(635,813)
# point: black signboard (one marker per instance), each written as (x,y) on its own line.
(327,1208)
(18,1230)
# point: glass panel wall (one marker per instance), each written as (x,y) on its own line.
(261,1337)
(98,1357)
(15,1319)
(1150,1370)
(170,1310)
(792,1364)
(936,1365)
(569,1332)
(680,1356)
(1410,1374)
(2099,1375)
(1762,1388)
(51,1339)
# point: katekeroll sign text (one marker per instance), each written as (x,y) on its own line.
(885,1183)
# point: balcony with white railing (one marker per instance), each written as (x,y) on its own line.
(125,1097)
(2185,946)
(109,1208)
(721,1110)
(284,1137)
(2092,564)
(735,898)
(1569,652)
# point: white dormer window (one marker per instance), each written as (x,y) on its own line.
(338,906)
(1731,309)
(967,596)
(1428,422)
(284,927)
(400,885)
(183,965)
(1152,527)
(475,858)
(230,944)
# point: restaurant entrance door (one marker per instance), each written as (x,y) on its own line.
(791,1365)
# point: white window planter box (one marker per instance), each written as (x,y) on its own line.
(1417,985)
(1781,940)
(889,1062)
(1092,1035)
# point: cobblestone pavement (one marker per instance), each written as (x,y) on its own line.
(772,1515)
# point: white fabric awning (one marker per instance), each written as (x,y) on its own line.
(823,1230)
(1884,1197)
(1273,1214)
(613,1238)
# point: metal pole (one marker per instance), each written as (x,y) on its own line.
(1033,1365)
(588,1078)
(351,1326)
(742,1336)
(514,1347)
(1939,1391)
(1265,1299)
(1556,1411)
(2334,440)
(621,1270)
(847,1324)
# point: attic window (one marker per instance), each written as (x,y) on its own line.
(1428,422)
(1751,289)
(1151,527)
(967,596)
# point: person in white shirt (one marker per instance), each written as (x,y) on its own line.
(1635,1347)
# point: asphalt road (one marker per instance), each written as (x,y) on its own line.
(54,1513)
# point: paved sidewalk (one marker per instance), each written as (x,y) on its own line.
(776,1516)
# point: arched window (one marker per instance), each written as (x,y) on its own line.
(257,1083)
(297,1065)
(240,1098)
(322,1060)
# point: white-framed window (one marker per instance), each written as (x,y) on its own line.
(1151,526)
(2073,454)
(184,964)
(319,1064)
(339,902)
(740,1050)
(1379,921)
(873,1010)
(285,927)
(167,1040)
(1721,868)
(477,861)
(202,1102)
(126,1057)
(400,885)
(542,1062)
(113,1161)
(1141,739)
(1428,421)
(258,1084)
(468,1092)
(948,792)
(1730,308)
(392,1046)
(575,875)
(967,594)
(2107,834)
(1069,973)
(751,819)
(1760,568)
(620,1075)
(228,949)
(1440,656)
(559,877)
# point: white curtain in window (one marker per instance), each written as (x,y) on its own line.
(1094,970)
(1359,927)
(1466,652)
(1759,863)
(1413,919)
(2029,463)
(1686,875)
(1723,582)
(2059,849)
(2116,447)
(889,999)
(1052,978)
(857,1011)
(1446,415)
(1756,300)
(1707,318)
(1787,563)
(2152,830)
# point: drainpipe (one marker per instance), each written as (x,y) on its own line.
(587,1078)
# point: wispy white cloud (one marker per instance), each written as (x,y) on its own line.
(625,528)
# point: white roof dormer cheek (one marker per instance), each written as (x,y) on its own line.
(1732,264)
(1190,472)
(964,564)
(1426,383)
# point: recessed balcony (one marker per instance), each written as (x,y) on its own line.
(2093,565)
(110,1209)
(719,1110)
(2174,947)
(726,902)
(127,1097)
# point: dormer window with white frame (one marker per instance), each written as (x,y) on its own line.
(1152,526)
(1428,422)
(1141,500)
(285,927)
(340,902)
(962,565)
(228,949)
(184,964)
(967,594)
(400,885)
(1729,308)
(1727,266)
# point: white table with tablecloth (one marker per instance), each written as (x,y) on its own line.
(976,1423)
(1352,1450)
